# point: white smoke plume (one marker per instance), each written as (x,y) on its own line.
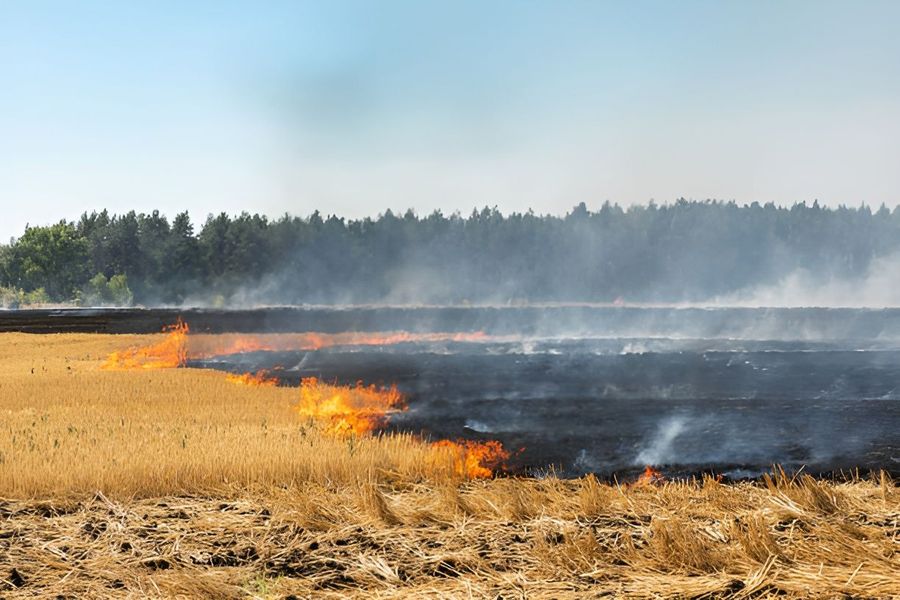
(660,449)
(877,288)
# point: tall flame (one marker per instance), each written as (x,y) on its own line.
(348,410)
(475,460)
(170,353)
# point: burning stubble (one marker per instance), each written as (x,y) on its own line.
(583,404)
(473,459)
(354,410)
(348,410)
(169,353)
(209,489)
(177,348)
(260,378)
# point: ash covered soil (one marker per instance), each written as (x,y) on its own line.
(582,410)
(609,321)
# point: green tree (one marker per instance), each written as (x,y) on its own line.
(119,293)
(100,291)
(95,291)
(183,259)
(53,258)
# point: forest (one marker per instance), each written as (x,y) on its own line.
(677,252)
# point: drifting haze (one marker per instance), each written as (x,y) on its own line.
(353,107)
(877,287)
(685,253)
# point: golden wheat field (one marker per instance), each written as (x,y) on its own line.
(178,483)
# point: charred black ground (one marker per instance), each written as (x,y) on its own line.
(600,389)
(792,324)
(730,412)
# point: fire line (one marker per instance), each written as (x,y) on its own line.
(345,410)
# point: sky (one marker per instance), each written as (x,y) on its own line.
(356,107)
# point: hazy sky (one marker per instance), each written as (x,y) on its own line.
(355,107)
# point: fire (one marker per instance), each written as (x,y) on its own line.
(170,353)
(650,476)
(348,410)
(224,344)
(260,378)
(359,409)
(178,347)
(475,460)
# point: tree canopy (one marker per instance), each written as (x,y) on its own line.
(682,251)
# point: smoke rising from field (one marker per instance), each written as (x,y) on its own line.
(660,449)
(606,342)
(417,286)
(876,287)
(814,437)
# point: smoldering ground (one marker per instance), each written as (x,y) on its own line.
(605,405)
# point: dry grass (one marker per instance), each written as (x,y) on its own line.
(176,483)
(70,428)
(501,538)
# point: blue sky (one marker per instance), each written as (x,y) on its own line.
(355,107)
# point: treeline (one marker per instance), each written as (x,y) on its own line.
(682,251)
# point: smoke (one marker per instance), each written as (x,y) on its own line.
(408,282)
(660,449)
(819,434)
(478,426)
(721,439)
(582,406)
(875,288)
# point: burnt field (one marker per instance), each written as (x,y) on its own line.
(578,409)
(602,390)
(124,474)
(863,326)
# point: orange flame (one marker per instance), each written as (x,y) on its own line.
(348,410)
(475,460)
(224,344)
(170,353)
(260,378)
(177,348)
(650,476)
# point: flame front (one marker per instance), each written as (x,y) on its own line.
(178,347)
(475,460)
(348,410)
(170,353)
(225,344)
(260,378)
(345,410)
